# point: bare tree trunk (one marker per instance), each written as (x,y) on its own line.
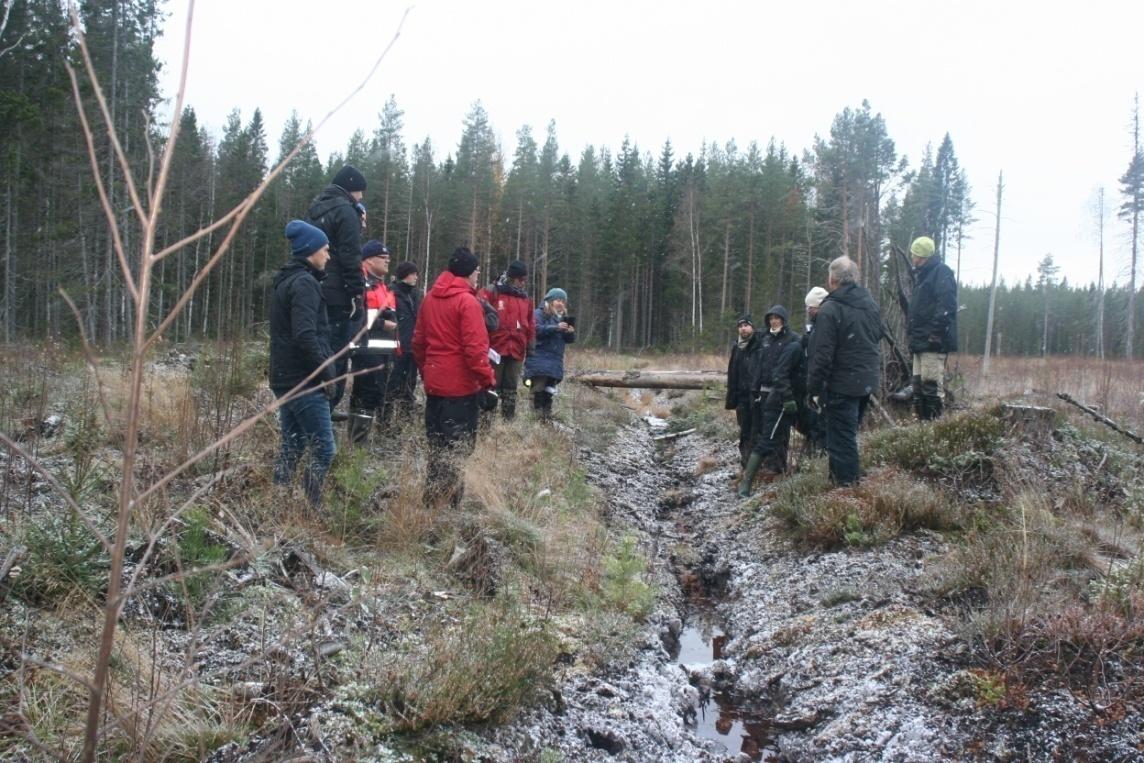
(750,261)
(726,265)
(993,286)
(385,210)
(1100,280)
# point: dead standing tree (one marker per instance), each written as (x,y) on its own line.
(137,273)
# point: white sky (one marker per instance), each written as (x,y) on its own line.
(1041,90)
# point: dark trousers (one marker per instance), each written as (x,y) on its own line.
(746,419)
(305,422)
(400,392)
(339,316)
(451,430)
(842,414)
(773,437)
(371,378)
(508,379)
(541,399)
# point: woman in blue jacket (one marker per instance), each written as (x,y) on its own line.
(544,366)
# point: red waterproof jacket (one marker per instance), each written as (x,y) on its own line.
(377,295)
(450,341)
(517,326)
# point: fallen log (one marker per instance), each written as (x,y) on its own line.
(673,435)
(653,379)
(1101,418)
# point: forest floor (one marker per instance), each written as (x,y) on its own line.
(602,594)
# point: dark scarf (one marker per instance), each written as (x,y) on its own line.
(504,287)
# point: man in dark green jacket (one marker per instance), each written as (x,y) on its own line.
(845,365)
(932,328)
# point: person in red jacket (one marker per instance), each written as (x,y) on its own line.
(371,367)
(451,349)
(515,333)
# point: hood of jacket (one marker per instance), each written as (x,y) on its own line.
(449,285)
(781,312)
(330,197)
(853,295)
(295,266)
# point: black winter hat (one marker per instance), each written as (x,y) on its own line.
(350,178)
(780,311)
(516,269)
(373,248)
(404,270)
(463,262)
(744,318)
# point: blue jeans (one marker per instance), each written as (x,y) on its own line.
(842,415)
(306,423)
(340,333)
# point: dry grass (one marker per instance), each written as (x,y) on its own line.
(1112,385)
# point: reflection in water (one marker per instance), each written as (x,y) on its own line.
(720,718)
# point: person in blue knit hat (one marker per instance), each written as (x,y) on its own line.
(544,366)
(299,347)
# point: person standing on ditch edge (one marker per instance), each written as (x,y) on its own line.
(451,347)
(544,367)
(845,365)
(336,211)
(739,395)
(515,332)
(932,328)
(777,364)
(298,348)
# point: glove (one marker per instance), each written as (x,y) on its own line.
(790,406)
(934,343)
(330,391)
(488,400)
(813,404)
(389,314)
(773,400)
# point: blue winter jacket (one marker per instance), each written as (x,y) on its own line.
(547,359)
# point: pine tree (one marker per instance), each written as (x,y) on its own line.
(1132,188)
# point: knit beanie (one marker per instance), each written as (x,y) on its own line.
(516,269)
(373,248)
(815,296)
(922,247)
(463,262)
(744,318)
(350,179)
(305,239)
(404,270)
(556,293)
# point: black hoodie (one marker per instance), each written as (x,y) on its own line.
(333,211)
(772,366)
(845,355)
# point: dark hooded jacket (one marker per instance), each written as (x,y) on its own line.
(298,328)
(333,211)
(739,370)
(774,361)
(845,355)
(933,309)
(408,303)
(547,357)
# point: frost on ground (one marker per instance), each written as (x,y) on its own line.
(847,652)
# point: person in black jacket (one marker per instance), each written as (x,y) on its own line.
(336,211)
(403,377)
(845,365)
(932,330)
(810,423)
(298,348)
(739,396)
(777,368)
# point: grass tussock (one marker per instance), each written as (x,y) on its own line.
(481,669)
(958,448)
(884,505)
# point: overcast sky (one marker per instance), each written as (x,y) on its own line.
(1040,90)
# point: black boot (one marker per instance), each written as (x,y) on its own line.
(917,399)
(931,401)
(935,406)
(749,472)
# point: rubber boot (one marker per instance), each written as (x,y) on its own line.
(935,406)
(357,430)
(749,472)
(918,399)
(931,402)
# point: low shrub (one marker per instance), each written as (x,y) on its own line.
(958,447)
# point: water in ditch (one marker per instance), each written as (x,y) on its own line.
(720,717)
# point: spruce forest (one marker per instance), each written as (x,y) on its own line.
(659,248)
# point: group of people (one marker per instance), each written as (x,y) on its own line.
(821,383)
(336,314)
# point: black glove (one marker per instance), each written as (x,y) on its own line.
(813,404)
(774,399)
(488,400)
(389,314)
(934,343)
